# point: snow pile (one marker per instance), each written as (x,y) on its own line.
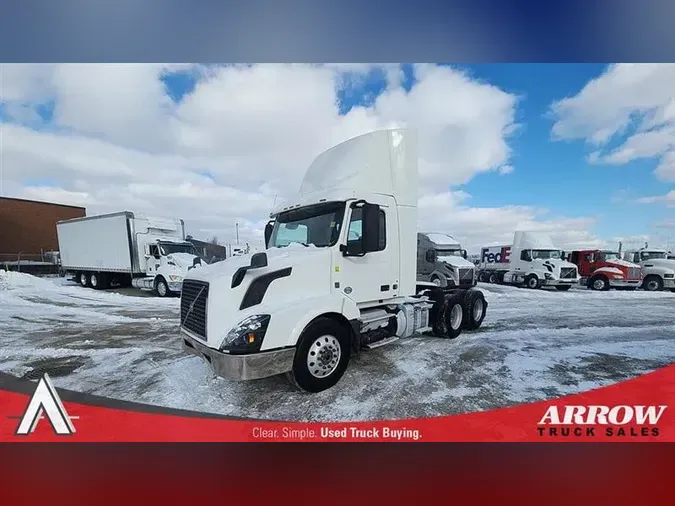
(10,280)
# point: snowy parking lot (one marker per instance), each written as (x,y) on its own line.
(534,344)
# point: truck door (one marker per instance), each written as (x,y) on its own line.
(370,277)
(153,261)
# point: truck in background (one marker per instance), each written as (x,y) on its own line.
(442,261)
(604,269)
(532,261)
(658,271)
(128,250)
(338,275)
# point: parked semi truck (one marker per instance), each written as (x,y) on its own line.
(125,249)
(442,261)
(532,261)
(658,270)
(338,275)
(604,269)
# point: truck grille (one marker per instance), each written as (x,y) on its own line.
(194,295)
(634,273)
(465,274)
(568,273)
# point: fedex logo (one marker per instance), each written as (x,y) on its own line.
(500,257)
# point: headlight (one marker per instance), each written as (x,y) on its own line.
(247,336)
(617,276)
(175,278)
(668,276)
(548,275)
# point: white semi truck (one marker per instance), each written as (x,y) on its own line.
(532,261)
(128,250)
(338,275)
(442,261)
(658,270)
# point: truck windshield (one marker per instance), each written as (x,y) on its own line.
(318,225)
(606,256)
(653,255)
(449,253)
(168,248)
(546,254)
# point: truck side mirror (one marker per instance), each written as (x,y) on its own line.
(465,255)
(431,256)
(268,233)
(370,226)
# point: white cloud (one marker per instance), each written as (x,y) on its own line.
(243,138)
(668,199)
(636,100)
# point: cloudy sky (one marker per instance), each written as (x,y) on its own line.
(586,152)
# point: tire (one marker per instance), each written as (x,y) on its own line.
(162,288)
(532,282)
(98,281)
(475,309)
(313,376)
(83,279)
(652,283)
(598,283)
(494,279)
(437,281)
(453,316)
(563,288)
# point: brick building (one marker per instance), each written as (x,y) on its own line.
(28,227)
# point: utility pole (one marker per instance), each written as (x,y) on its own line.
(237,229)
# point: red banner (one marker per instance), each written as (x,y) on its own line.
(633,410)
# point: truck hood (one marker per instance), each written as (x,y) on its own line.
(622,263)
(555,264)
(456,261)
(660,262)
(182,260)
(308,266)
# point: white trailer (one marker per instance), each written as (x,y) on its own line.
(125,249)
(338,275)
(658,268)
(532,261)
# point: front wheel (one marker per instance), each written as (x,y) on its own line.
(653,284)
(321,357)
(162,288)
(532,282)
(453,316)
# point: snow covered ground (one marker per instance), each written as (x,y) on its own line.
(533,345)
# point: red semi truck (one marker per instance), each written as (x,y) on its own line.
(604,269)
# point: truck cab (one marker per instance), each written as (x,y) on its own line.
(658,270)
(442,260)
(165,262)
(604,269)
(338,274)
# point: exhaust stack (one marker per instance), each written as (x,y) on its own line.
(620,248)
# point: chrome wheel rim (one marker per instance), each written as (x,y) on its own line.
(652,286)
(436,281)
(161,288)
(94,280)
(599,284)
(83,279)
(455,317)
(532,283)
(324,356)
(478,310)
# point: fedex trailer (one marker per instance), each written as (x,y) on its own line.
(532,261)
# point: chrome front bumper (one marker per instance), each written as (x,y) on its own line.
(558,282)
(240,367)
